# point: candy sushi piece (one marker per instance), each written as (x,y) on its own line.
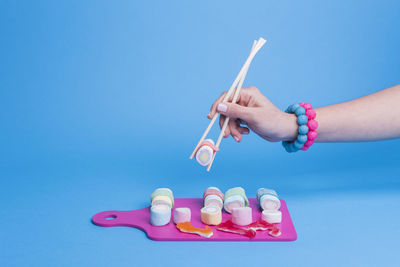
(213,200)
(235,198)
(242,216)
(187,227)
(161,200)
(212,190)
(161,196)
(182,215)
(268,199)
(160,215)
(205,152)
(228,226)
(272,216)
(211,215)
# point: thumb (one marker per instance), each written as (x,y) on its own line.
(236,111)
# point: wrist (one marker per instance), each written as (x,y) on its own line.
(289,127)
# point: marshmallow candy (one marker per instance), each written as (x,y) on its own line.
(242,216)
(235,198)
(272,216)
(268,199)
(160,215)
(212,190)
(233,202)
(161,200)
(213,200)
(182,215)
(205,152)
(211,215)
(166,192)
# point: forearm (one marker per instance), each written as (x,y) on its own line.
(373,117)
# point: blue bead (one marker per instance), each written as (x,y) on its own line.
(303,129)
(302,119)
(300,111)
(297,145)
(302,138)
(285,144)
(293,107)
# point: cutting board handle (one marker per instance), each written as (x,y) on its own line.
(116,218)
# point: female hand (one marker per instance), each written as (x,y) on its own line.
(258,113)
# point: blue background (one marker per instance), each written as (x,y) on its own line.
(103,101)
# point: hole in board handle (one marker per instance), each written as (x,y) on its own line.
(111,217)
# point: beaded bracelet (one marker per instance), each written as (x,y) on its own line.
(307,126)
(312,125)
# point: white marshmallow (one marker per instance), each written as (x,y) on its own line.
(272,216)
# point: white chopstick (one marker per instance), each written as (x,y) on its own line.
(229,93)
(256,47)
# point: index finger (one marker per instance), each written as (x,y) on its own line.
(213,108)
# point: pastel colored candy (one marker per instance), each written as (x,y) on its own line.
(232,202)
(211,215)
(213,200)
(272,216)
(162,192)
(268,199)
(212,190)
(268,202)
(264,191)
(237,191)
(160,215)
(242,216)
(182,215)
(161,200)
(205,152)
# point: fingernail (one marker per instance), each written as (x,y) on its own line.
(222,107)
(236,138)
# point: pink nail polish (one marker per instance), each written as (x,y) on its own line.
(236,138)
(222,107)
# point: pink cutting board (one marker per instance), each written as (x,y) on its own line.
(141,219)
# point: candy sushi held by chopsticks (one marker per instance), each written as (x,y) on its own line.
(206,149)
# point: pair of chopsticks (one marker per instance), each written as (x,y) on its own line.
(235,90)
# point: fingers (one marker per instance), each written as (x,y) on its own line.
(236,111)
(233,127)
(213,109)
(221,123)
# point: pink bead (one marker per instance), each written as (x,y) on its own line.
(312,125)
(309,143)
(311,114)
(307,106)
(302,104)
(312,135)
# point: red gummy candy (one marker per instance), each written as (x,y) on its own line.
(228,226)
(260,225)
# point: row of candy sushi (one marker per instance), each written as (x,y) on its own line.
(214,200)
